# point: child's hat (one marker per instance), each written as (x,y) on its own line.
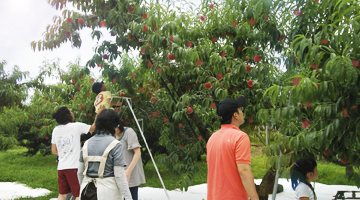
(96,87)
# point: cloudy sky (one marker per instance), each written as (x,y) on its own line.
(23,21)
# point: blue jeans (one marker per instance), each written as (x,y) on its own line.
(134,192)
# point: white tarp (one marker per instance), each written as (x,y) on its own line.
(198,192)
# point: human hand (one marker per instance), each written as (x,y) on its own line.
(128,174)
(101,108)
(119,103)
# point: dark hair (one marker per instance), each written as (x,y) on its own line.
(299,171)
(121,126)
(227,121)
(62,115)
(106,122)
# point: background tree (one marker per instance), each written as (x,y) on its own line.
(12,95)
(12,92)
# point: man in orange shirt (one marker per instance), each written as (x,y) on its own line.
(228,156)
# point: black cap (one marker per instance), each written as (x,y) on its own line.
(96,87)
(228,107)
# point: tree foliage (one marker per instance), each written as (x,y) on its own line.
(189,61)
(316,109)
(11,91)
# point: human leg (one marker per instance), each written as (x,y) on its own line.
(64,188)
(73,181)
(62,196)
(134,192)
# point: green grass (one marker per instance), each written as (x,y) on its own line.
(34,171)
(40,172)
(332,174)
(171,180)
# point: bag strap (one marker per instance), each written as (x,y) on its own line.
(85,156)
(101,159)
(104,157)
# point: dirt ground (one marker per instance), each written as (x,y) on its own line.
(256,150)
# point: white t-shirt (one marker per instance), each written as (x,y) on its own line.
(302,190)
(67,140)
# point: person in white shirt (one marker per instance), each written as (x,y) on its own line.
(65,142)
(302,173)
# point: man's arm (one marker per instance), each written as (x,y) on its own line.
(247,179)
(54,149)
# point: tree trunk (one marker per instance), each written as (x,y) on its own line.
(199,124)
(264,198)
(267,184)
(204,132)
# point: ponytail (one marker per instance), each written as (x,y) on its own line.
(300,170)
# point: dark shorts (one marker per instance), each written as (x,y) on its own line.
(68,182)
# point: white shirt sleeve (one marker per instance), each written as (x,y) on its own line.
(83,128)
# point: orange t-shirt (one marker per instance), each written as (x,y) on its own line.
(225,149)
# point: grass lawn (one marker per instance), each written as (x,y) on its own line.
(40,172)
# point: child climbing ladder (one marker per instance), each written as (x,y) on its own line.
(103,96)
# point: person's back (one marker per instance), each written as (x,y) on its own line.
(103,98)
(102,162)
(226,148)
(67,140)
(96,147)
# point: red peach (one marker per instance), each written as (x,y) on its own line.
(102,24)
(189,111)
(189,44)
(171,56)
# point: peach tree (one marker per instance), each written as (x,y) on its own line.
(188,62)
(316,105)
